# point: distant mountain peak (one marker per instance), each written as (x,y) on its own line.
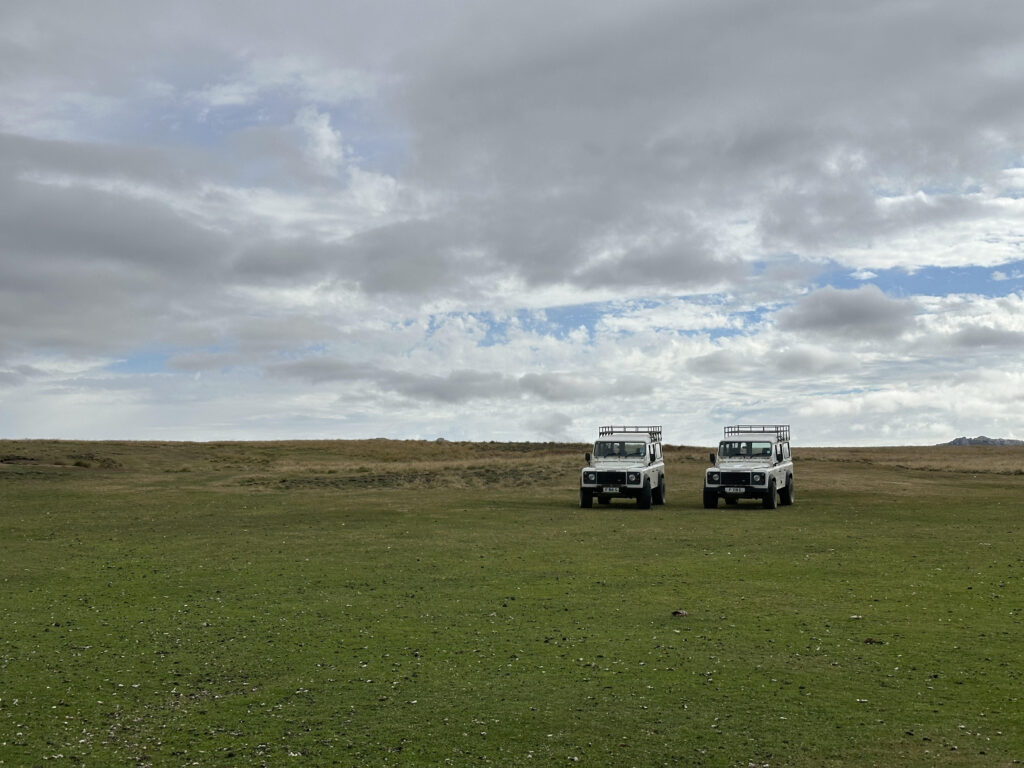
(982,440)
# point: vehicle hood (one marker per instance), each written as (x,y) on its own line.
(743,464)
(617,464)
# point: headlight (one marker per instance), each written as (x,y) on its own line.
(591,477)
(714,477)
(633,478)
(758,478)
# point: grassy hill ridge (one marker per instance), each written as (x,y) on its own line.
(429,461)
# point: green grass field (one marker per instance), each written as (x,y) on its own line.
(411,603)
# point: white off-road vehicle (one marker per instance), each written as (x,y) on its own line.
(627,463)
(753,462)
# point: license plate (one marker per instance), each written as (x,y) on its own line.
(735,490)
(607,489)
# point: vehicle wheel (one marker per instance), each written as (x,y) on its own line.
(586,499)
(771,499)
(786,494)
(710,500)
(605,499)
(644,499)
(658,496)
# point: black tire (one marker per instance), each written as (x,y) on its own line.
(710,500)
(604,499)
(586,499)
(643,501)
(786,497)
(658,496)
(771,499)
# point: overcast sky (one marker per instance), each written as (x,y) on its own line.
(512,220)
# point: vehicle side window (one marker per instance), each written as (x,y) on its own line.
(785,451)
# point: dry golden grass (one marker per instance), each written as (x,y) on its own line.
(460,465)
(977,459)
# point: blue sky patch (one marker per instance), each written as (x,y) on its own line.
(144,361)
(933,281)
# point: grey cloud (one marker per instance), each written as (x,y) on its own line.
(456,387)
(688,259)
(101,228)
(286,261)
(553,426)
(863,314)
(808,361)
(20,374)
(10,378)
(793,112)
(289,332)
(784,363)
(248,342)
(82,270)
(25,154)
(462,385)
(411,257)
(719,362)
(561,387)
(975,336)
(200,362)
(819,216)
(320,370)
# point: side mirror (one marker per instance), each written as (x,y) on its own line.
(712,458)
(587,457)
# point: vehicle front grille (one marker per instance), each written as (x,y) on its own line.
(735,478)
(611,478)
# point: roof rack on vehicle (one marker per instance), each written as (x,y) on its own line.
(781,431)
(654,432)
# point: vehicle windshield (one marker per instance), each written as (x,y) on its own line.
(619,449)
(734,449)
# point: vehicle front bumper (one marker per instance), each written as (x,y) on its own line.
(737,485)
(618,482)
(737,492)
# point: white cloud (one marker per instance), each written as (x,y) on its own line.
(999,276)
(324,146)
(944,315)
(921,230)
(675,314)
